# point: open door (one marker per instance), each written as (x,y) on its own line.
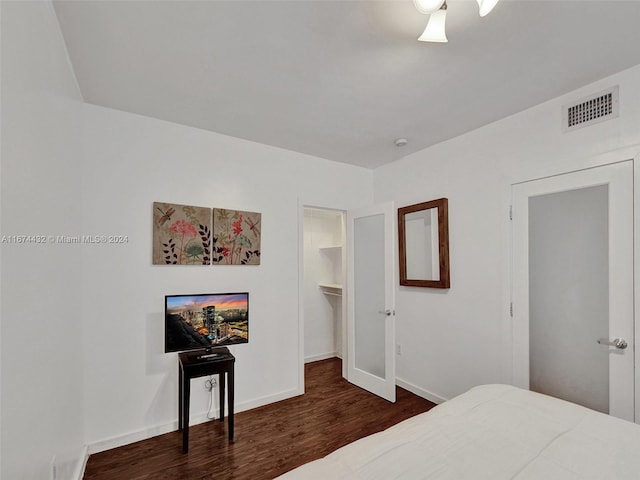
(370,300)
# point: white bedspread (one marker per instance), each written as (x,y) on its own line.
(492,432)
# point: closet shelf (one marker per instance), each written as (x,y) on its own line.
(330,247)
(331,289)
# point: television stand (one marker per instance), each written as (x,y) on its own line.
(217,361)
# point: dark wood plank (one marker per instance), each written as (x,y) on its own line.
(269,440)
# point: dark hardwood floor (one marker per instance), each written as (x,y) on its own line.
(269,440)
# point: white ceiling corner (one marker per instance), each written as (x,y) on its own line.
(340,80)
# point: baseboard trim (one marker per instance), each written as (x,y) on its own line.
(259,402)
(321,356)
(201,417)
(432,397)
(132,437)
(82,465)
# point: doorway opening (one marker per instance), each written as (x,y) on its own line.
(324,278)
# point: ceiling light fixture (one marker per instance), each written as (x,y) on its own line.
(437,11)
(435,27)
(486,6)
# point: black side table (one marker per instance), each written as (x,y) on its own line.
(219,362)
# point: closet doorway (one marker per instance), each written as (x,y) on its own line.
(324,277)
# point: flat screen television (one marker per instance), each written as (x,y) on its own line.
(205,321)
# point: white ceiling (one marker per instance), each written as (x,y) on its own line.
(340,79)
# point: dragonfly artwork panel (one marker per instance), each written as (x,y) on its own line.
(236,237)
(181,234)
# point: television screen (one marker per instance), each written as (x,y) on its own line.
(206,320)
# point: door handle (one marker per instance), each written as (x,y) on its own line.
(620,343)
(385,312)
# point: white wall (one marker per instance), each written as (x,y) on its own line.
(41,331)
(132,161)
(75,169)
(454,339)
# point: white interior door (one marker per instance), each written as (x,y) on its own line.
(572,293)
(370,300)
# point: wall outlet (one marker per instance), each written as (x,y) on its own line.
(398,349)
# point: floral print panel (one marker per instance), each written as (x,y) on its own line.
(181,234)
(236,237)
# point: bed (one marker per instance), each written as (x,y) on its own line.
(492,432)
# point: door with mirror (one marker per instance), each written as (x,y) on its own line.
(573,317)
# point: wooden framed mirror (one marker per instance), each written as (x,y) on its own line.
(423,240)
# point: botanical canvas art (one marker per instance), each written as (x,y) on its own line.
(236,237)
(181,234)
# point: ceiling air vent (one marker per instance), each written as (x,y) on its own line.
(587,111)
